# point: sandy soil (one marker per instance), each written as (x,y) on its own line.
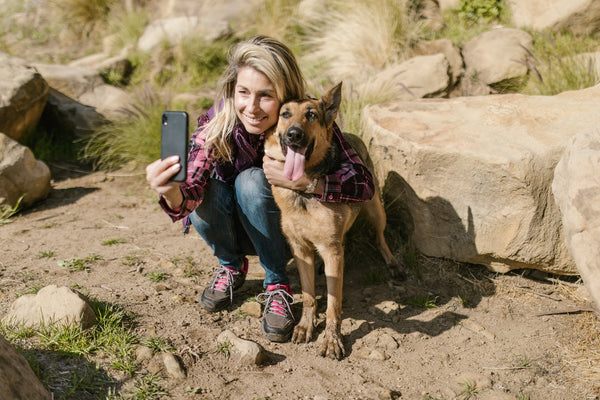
(518,336)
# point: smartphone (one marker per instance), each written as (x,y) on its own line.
(174,140)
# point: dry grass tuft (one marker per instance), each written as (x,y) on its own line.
(355,39)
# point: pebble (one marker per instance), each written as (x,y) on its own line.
(173,366)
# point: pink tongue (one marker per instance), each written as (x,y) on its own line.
(294,164)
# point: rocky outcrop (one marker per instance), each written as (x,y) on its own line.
(577,16)
(474,174)
(21,175)
(23,94)
(576,188)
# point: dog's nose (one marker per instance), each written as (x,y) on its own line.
(294,134)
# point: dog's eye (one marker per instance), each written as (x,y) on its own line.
(311,115)
(285,114)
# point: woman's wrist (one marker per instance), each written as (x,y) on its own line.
(310,188)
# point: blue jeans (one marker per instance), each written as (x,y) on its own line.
(244,220)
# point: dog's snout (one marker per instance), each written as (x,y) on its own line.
(294,135)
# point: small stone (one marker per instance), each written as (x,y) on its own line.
(245,352)
(173,366)
(251,308)
(143,353)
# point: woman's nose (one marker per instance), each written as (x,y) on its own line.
(253,103)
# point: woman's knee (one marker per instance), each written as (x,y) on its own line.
(252,185)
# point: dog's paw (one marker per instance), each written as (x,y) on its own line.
(397,271)
(333,346)
(302,333)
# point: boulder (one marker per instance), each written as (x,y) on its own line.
(576,189)
(23,94)
(498,58)
(448,49)
(173,30)
(72,81)
(70,118)
(472,175)
(21,175)
(577,16)
(415,78)
(84,84)
(17,379)
(52,304)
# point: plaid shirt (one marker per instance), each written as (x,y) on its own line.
(351,183)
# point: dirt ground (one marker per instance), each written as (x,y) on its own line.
(517,336)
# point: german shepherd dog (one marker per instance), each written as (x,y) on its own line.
(306,127)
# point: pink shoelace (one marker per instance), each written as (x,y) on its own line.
(277,301)
(224,280)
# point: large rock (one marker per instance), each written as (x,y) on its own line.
(173,30)
(85,85)
(72,81)
(474,174)
(498,57)
(21,175)
(578,16)
(17,380)
(576,188)
(70,118)
(51,305)
(23,94)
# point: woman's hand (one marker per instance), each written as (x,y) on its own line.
(158,174)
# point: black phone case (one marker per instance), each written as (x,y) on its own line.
(174,139)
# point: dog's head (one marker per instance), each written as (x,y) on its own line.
(302,136)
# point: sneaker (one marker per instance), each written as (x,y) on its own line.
(278,320)
(219,294)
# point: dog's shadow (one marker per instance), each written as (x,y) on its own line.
(429,301)
(420,304)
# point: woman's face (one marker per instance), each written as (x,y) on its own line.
(255,100)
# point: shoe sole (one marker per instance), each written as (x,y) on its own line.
(212,306)
(277,337)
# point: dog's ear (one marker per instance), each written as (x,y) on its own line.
(331,103)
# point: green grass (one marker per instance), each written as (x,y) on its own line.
(157,276)
(72,361)
(46,254)
(112,242)
(224,348)
(158,345)
(557,65)
(133,138)
(470,390)
(471,18)
(79,264)
(8,212)
(148,387)
(425,302)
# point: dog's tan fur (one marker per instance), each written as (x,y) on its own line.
(309,224)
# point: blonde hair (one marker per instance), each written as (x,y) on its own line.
(266,55)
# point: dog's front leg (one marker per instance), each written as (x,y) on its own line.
(306,269)
(334,271)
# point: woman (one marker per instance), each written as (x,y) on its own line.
(227,195)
